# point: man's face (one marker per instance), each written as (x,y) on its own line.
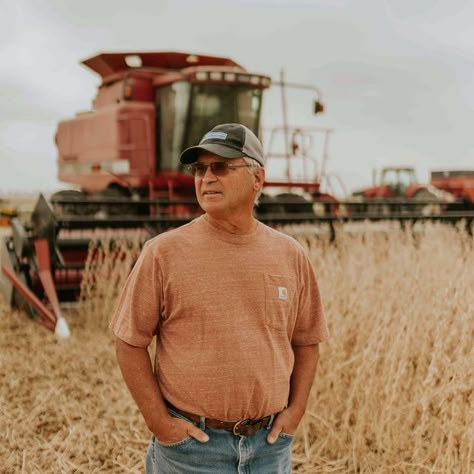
(230,193)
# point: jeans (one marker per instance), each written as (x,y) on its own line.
(224,453)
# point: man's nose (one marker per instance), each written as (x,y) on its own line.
(209,175)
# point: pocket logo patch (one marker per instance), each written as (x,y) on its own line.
(282,293)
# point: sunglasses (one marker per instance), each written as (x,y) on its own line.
(218,168)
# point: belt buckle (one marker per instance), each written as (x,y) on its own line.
(236,428)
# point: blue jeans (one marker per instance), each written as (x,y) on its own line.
(224,453)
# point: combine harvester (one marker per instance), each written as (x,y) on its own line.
(459,183)
(122,157)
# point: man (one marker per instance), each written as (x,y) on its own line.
(237,314)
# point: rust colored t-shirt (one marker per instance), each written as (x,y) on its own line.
(226,310)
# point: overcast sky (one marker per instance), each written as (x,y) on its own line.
(396,76)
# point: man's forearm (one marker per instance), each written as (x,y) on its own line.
(137,373)
(304,371)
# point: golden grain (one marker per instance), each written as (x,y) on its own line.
(394,391)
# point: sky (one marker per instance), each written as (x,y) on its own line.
(396,76)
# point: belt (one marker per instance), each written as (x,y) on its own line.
(238,428)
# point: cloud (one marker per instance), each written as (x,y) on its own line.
(434,26)
(396,75)
(28,156)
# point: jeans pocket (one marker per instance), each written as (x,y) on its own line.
(183,442)
(286,435)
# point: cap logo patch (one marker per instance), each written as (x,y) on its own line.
(282,293)
(214,135)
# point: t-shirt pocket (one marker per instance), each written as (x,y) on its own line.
(279,300)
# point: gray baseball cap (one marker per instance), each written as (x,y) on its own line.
(229,140)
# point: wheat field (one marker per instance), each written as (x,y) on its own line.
(394,392)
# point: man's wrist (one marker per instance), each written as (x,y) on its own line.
(158,423)
(296,410)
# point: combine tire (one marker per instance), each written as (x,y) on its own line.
(75,208)
(294,204)
(113,209)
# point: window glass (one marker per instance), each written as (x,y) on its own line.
(215,104)
(390,177)
(211,104)
(407,178)
(172,107)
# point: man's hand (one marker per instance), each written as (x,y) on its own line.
(173,430)
(287,422)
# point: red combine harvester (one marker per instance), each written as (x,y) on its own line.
(460,183)
(123,159)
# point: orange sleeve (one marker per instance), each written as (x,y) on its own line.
(310,327)
(138,311)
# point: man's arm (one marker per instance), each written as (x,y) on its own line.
(304,370)
(138,374)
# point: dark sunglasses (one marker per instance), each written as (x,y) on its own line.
(218,168)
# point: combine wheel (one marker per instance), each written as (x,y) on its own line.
(265,205)
(76,208)
(113,209)
(285,206)
(294,204)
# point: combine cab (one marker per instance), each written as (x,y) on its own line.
(122,159)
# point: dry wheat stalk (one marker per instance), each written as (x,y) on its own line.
(394,391)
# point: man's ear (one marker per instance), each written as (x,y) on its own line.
(259,178)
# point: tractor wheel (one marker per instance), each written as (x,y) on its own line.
(378,208)
(426,209)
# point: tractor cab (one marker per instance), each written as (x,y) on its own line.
(397,180)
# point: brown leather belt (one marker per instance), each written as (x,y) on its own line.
(238,428)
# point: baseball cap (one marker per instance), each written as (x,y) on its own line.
(229,140)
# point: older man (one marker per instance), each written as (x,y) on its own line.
(237,314)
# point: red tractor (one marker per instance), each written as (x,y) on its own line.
(396,189)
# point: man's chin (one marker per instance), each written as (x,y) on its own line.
(215,211)
(212,205)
